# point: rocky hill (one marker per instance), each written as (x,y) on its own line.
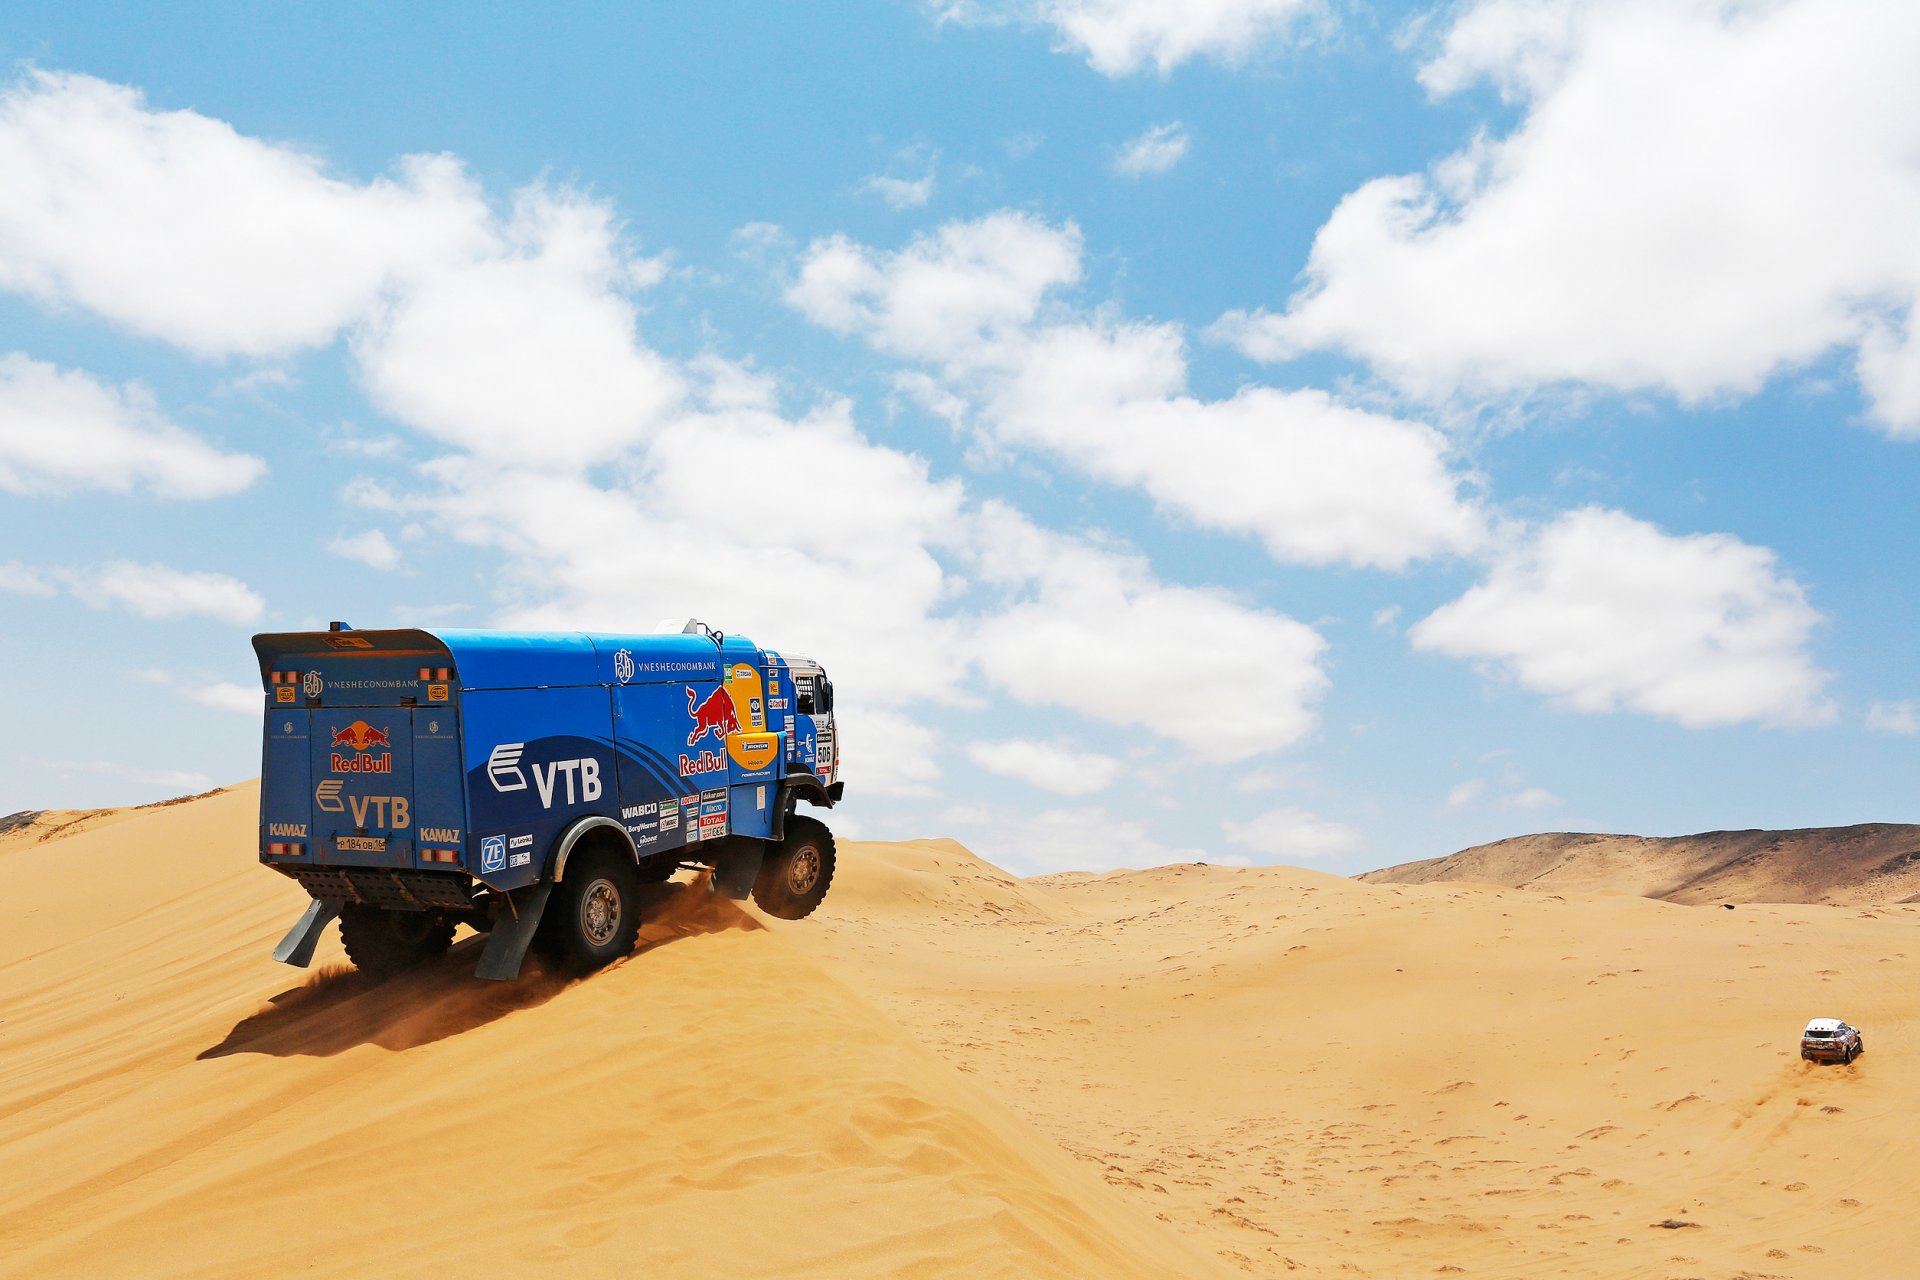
(1870,864)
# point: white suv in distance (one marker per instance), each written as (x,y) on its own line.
(1830,1040)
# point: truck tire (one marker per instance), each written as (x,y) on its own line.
(797,874)
(594,916)
(382,943)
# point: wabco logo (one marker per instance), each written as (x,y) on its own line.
(623,665)
(582,775)
(361,737)
(714,716)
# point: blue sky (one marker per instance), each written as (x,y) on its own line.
(1266,430)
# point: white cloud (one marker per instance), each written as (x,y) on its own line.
(1600,611)
(902,193)
(896,754)
(1155,151)
(239,247)
(1096,633)
(156,591)
(1465,793)
(1056,766)
(947,293)
(527,350)
(150,590)
(1894,717)
(1119,37)
(21,580)
(60,431)
(1288,832)
(1701,194)
(371,548)
(223,695)
(1316,480)
(1531,798)
(507,335)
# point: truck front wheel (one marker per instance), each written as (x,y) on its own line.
(795,877)
(594,917)
(382,943)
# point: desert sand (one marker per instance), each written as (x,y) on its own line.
(1189,1071)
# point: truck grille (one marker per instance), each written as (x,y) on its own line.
(385,887)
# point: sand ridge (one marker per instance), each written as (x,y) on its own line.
(1868,864)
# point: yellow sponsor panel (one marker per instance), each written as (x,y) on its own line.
(753,750)
(749,699)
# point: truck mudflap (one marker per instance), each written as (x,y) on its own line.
(735,869)
(512,933)
(297,947)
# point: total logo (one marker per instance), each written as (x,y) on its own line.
(582,775)
(362,737)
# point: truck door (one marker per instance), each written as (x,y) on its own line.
(362,771)
(659,771)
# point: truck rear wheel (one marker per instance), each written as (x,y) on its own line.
(796,876)
(382,943)
(594,916)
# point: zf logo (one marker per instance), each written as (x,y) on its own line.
(493,854)
(582,775)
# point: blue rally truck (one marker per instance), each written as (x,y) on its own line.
(528,784)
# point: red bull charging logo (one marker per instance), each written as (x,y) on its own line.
(362,738)
(714,716)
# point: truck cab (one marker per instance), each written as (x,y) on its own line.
(415,780)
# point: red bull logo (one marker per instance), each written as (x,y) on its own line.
(714,716)
(362,738)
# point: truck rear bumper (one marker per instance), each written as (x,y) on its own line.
(399,890)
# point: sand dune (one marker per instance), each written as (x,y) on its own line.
(951,1071)
(1870,864)
(173,1103)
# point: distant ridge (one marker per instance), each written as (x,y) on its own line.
(1871,864)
